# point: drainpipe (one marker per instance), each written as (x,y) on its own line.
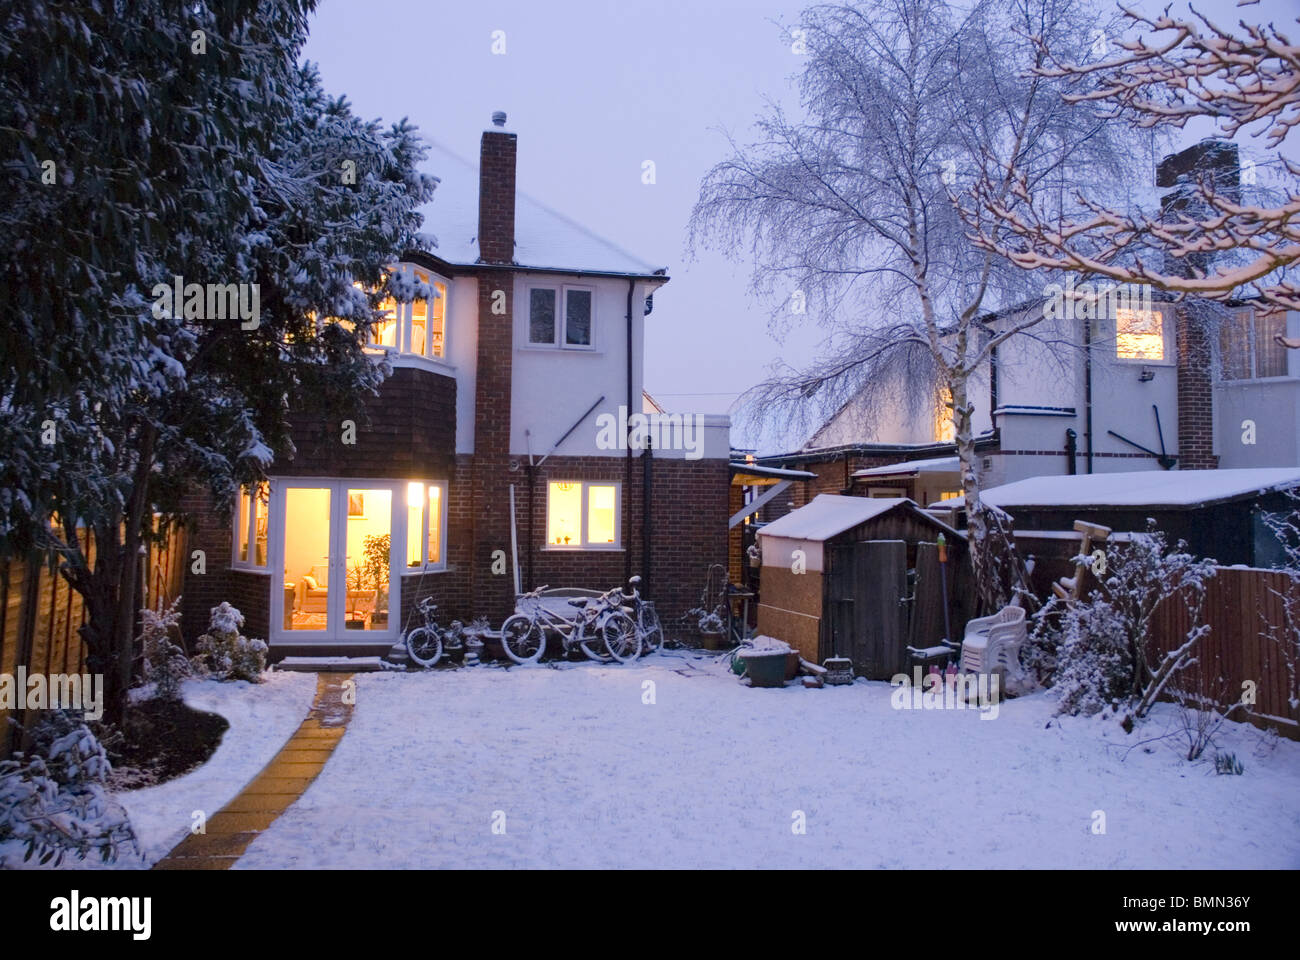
(627,486)
(1087,390)
(531,472)
(1071,451)
(646,462)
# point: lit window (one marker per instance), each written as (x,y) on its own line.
(1139,335)
(1247,348)
(582,514)
(251,526)
(553,325)
(425,523)
(944,431)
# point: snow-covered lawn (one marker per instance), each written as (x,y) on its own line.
(262,717)
(582,773)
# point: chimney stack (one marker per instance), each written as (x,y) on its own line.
(496,193)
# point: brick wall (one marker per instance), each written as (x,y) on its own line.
(409,430)
(1195,396)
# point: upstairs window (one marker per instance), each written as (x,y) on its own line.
(417,328)
(1139,335)
(1247,348)
(582,515)
(561,316)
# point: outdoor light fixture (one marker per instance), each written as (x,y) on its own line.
(1146,375)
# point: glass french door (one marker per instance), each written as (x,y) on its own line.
(336,561)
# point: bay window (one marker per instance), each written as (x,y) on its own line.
(582,515)
(417,328)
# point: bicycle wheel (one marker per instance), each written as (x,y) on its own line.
(619,633)
(591,642)
(523,639)
(424,646)
(652,633)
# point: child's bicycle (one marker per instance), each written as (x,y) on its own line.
(424,643)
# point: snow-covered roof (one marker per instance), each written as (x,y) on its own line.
(829,514)
(544,238)
(913,468)
(1145,488)
(757,470)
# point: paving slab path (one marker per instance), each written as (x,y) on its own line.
(273,791)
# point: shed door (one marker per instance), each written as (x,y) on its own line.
(866,587)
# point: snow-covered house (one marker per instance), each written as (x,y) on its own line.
(1113,379)
(516,394)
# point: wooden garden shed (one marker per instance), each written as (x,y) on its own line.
(859,577)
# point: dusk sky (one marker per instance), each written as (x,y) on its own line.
(594,89)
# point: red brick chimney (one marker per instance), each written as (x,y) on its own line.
(496,194)
(490,473)
(1214,161)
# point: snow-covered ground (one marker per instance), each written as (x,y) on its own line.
(573,769)
(262,717)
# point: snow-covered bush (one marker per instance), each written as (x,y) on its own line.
(1099,645)
(54,798)
(1094,664)
(230,655)
(165,664)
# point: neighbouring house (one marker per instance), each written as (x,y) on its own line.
(1129,380)
(1221,514)
(516,394)
(859,577)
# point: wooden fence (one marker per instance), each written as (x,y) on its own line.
(1248,641)
(40,613)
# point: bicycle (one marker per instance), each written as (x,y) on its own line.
(597,622)
(646,618)
(424,643)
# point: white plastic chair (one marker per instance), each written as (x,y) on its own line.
(992,644)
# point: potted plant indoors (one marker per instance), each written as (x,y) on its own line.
(356,620)
(374,563)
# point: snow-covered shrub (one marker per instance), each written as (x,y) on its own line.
(230,655)
(54,798)
(1100,644)
(1094,664)
(165,664)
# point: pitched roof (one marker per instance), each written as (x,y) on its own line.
(1142,488)
(829,514)
(544,238)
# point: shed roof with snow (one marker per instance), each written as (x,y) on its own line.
(1143,488)
(829,515)
(913,468)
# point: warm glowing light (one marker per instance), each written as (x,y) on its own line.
(1139,335)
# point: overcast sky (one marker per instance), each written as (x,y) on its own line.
(594,89)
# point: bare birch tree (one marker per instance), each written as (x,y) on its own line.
(1169,71)
(850,208)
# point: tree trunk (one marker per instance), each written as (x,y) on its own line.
(976,529)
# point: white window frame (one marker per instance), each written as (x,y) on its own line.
(586,486)
(403,314)
(425,565)
(1252,335)
(559,340)
(250,493)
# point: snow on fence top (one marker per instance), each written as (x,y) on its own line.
(829,514)
(544,239)
(1143,488)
